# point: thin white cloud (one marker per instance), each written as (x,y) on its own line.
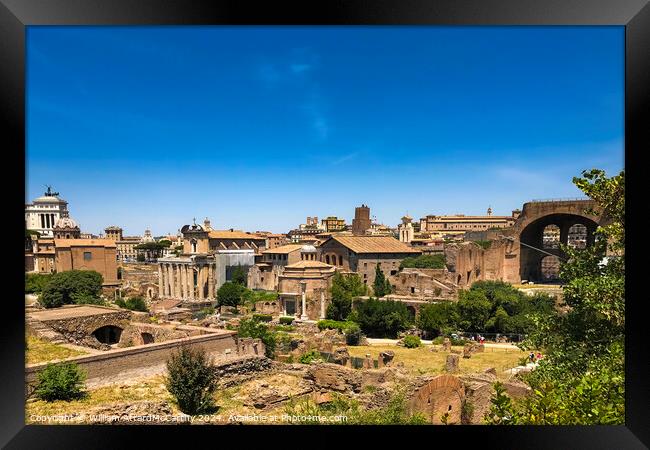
(344,158)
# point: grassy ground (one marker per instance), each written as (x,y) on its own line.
(42,351)
(152,389)
(421,361)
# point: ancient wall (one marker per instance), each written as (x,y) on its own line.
(140,279)
(423,284)
(264,277)
(120,362)
(102,259)
(443,394)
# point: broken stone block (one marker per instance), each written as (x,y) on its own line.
(451,365)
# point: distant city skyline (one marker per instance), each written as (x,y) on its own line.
(257,128)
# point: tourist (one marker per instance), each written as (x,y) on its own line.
(531,357)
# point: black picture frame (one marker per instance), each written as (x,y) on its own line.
(634,15)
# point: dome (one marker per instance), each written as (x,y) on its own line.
(191,228)
(308,249)
(66,222)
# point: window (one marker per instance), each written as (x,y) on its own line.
(87,256)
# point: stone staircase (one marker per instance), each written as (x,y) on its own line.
(42,331)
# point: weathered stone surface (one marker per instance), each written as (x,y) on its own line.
(446,345)
(437,396)
(334,377)
(274,389)
(451,365)
(491,371)
(322,397)
(240,369)
(386,358)
(340,356)
(375,377)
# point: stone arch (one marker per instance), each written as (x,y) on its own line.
(551,237)
(531,241)
(147,338)
(340,260)
(411,309)
(443,394)
(108,334)
(577,236)
(327,259)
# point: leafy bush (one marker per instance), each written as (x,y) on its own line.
(64,287)
(286,320)
(254,328)
(438,318)
(411,341)
(192,380)
(35,282)
(327,324)
(133,303)
(308,357)
(203,313)
(263,317)
(63,381)
(484,244)
(378,318)
(285,328)
(436,261)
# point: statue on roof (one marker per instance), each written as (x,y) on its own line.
(49,192)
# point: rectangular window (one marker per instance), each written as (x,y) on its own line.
(87,256)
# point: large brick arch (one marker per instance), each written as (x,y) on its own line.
(443,394)
(529,228)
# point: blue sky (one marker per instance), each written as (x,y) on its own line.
(259,127)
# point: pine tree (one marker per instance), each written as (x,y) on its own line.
(381,285)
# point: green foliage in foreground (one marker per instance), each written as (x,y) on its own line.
(308,357)
(305,411)
(63,381)
(345,288)
(191,380)
(581,379)
(382,318)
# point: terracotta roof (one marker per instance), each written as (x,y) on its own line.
(284,249)
(374,244)
(308,265)
(84,243)
(236,234)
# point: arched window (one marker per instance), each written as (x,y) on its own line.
(327,259)
(551,237)
(550,268)
(193,246)
(340,260)
(577,236)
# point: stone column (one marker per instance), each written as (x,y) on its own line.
(160,281)
(322,304)
(191,281)
(210,281)
(179,278)
(170,271)
(200,282)
(186,293)
(304,316)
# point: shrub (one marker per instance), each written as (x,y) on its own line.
(133,303)
(191,380)
(263,317)
(203,313)
(286,320)
(308,357)
(411,341)
(63,381)
(345,288)
(230,294)
(352,334)
(285,328)
(64,287)
(328,324)
(436,261)
(254,328)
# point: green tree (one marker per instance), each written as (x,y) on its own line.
(345,288)
(381,286)
(192,380)
(136,303)
(251,297)
(254,328)
(438,318)
(230,294)
(382,318)
(71,286)
(239,275)
(474,310)
(35,282)
(580,381)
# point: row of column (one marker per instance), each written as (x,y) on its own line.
(47,220)
(186,281)
(303,309)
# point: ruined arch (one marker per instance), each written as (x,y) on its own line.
(533,235)
(550,268)
(147,338)
(108,334)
